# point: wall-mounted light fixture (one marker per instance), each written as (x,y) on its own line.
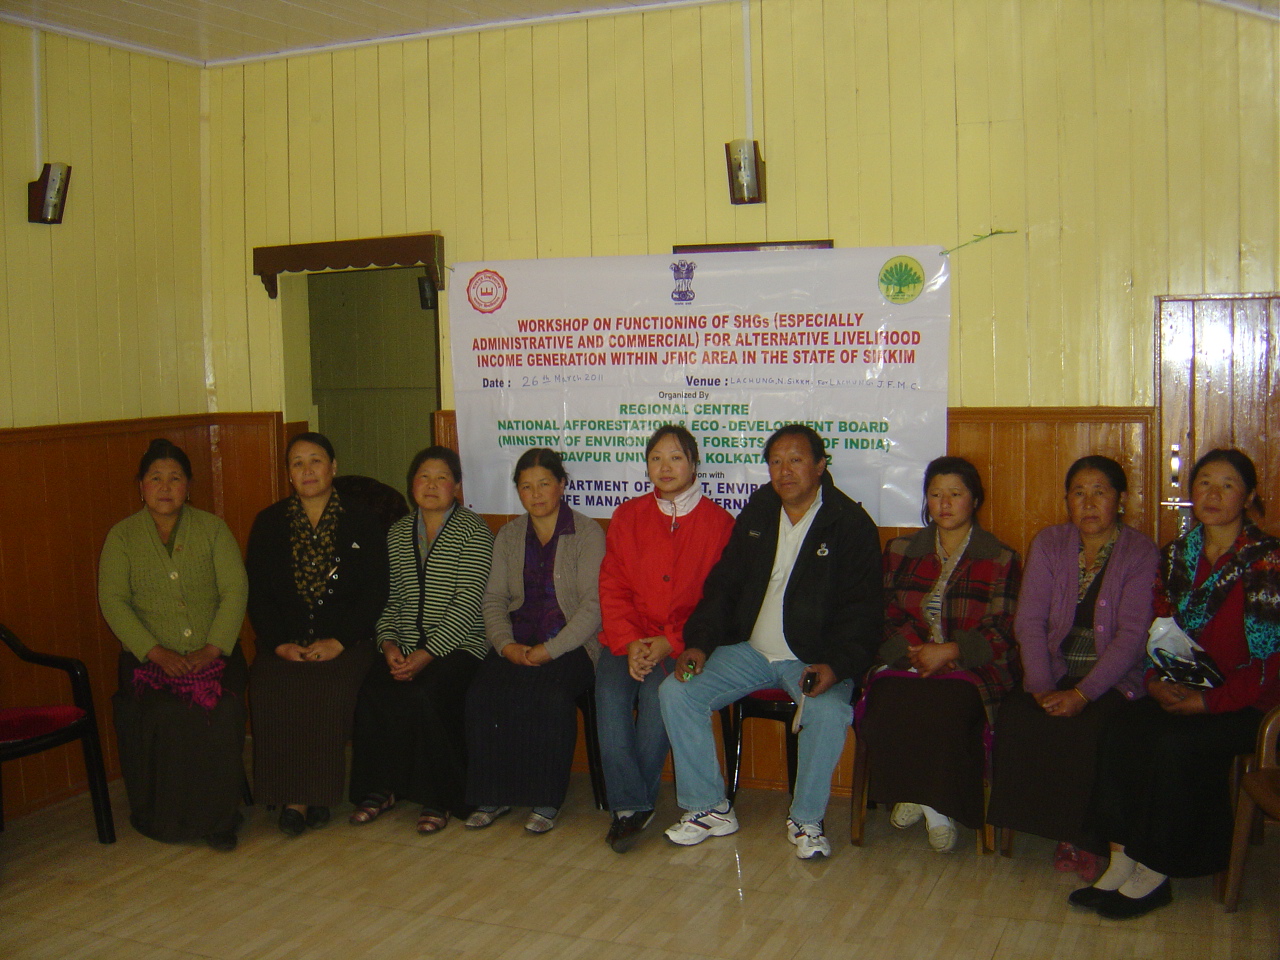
(47,196)
(746,174)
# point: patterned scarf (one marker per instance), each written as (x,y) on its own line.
(313,549)
(201,688)
(1254,559)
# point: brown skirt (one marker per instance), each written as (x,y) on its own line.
(183,766)
(301,724)
(1044,768)
(924,745)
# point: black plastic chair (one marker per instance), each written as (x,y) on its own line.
(769,704)
(28,730)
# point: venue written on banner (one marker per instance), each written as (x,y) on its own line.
(590,356)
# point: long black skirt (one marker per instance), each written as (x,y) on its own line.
(410,736)
(522,728)
(183,766)
(1044,768)
(302,716)
(924,745)
(1162,789)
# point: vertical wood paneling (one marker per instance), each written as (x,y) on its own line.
(51,537)
(1134,146)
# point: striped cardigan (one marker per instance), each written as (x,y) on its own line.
(435,606)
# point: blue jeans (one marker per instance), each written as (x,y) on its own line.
(732,672)
(633,750)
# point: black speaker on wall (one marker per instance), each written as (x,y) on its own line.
(47,196)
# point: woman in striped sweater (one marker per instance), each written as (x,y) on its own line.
(409,740)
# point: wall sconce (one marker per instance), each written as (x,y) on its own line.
(746,174)
(47,196)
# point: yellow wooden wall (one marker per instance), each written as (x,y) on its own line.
(1133,144)
(100,316)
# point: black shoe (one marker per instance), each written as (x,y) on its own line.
(1126,908)
(292,823)
(1090,897)
(625,831)
(224,841)
(317,817)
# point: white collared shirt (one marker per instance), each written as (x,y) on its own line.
(767,637)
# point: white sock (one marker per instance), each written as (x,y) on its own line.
(1118,871)
(932,818)
(623,814)
(1143,881)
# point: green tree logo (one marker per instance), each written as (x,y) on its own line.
(901,279)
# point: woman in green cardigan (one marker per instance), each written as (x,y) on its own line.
(173,589)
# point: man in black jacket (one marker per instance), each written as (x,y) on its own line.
(793,603)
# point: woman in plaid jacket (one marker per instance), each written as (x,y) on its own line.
(950,592)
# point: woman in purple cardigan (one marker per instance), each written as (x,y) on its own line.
(1081,628)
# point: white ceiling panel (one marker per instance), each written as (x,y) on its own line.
(219,31)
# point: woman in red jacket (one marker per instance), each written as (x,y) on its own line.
(658,551)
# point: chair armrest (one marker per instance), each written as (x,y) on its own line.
(81,692)
(1268,732)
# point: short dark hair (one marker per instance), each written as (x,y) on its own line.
(436,452)
(817,445)
(162,449)
(1105,465)
(961,468)
(540,457)
(309,436)
(1242,464)
(680,435)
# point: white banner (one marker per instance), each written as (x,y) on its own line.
(588,356)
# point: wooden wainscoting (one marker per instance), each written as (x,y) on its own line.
(1022,454)
(65,486)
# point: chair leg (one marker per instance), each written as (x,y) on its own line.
(246,792)
(731,735)
(595,763)
(858,813)
(97,775)
(1006,841)
(1227,886)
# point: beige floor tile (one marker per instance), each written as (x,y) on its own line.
(382,891)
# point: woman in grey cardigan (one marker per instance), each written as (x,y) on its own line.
(542,616)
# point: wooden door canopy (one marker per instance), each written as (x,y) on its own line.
(406,250)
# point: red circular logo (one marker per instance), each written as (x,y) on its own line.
(487,291)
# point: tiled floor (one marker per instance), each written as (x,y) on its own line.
(383,892)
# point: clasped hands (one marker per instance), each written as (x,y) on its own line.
(317,652)
(404,667)
(179,665)
(524,655)
(930,658)
(644,655)
(1177,697)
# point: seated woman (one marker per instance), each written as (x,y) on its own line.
(658,551)
(173,590)
(1161,797)
(949,594)
(541,615)
(1083,614)
(317,584)
(409,739)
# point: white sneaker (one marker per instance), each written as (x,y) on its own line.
(905,815)
(696,826)
(943,837)
(809,840)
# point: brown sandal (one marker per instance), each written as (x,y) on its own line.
(371,808)
(432,821)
